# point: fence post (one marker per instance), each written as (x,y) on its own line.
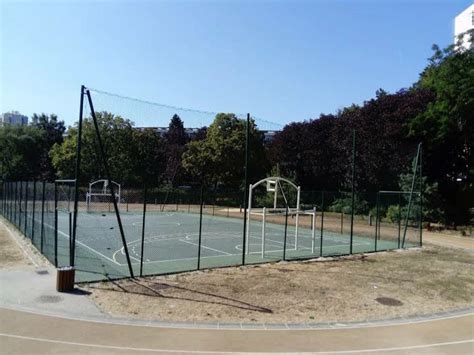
(247,152)
(143,229)
(322,225)
(286,229)
(200,228)
(70,237)
(411,194)
(42,216)
(342,222)
(19,205)
(55,225)
(399,219)
(33,213)
(377,214)
(421,196)
(26,209)
(352,192)
(263,231)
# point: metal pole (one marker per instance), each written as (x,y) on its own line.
(246,177)
(42,216)
(411,194)
(77,177)
(286,229)
(70,237)
(249,216)
(342,221)
(200,227)
(421,197)
(143,229)
(313,229)
(112,189)
(55,225)
(377,220)
(19,205)
(26,209)
(399,217)
(352,188)
(297,216)
(322,225)
(33,213)
(15,208)
(263,231)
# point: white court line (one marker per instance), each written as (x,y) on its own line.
(84,245)
(100,346)
(203,246)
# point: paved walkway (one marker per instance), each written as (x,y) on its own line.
(35,319)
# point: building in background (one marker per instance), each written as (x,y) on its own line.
(13,118)
(463,23)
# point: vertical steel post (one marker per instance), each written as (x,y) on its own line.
(377,220)
(313,229)
(26,209)
(286,229)
(15,208)
(342,221)
(411,194)
(42,216)
(264,214)
(33,213)
(109,178)
(200,228)
(19,205)
(352,188)
(76,176)
(322,225)
(143,229)
(399,217)
(247,152)
(55,224)
(421,197)
(70,236)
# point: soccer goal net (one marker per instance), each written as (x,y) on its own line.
(99,195)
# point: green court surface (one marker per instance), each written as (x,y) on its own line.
(171,243)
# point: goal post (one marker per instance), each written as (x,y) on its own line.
(274,185)
(100,192)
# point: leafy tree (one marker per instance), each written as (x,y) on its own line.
(117,136)
(176,139)
(53,133)
(149,156)
(447,129)
(21,149)
(219,158)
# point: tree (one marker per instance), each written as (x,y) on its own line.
(117,137)
(53,134)
(219,158)
(21,149)
(149,156)
(176,139)
(446,129)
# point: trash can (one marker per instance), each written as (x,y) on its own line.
(65,279)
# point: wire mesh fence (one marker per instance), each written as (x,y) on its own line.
(176,230)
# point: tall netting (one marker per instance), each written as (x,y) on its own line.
(163,189)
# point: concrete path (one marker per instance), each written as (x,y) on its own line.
(25,333)
(35,319)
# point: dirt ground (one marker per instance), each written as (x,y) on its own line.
(11,254)
(374,286)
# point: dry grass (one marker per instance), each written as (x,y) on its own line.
(424,281)
(10,253)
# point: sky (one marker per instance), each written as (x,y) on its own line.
(281,61)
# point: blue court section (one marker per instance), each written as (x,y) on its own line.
(171,243)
